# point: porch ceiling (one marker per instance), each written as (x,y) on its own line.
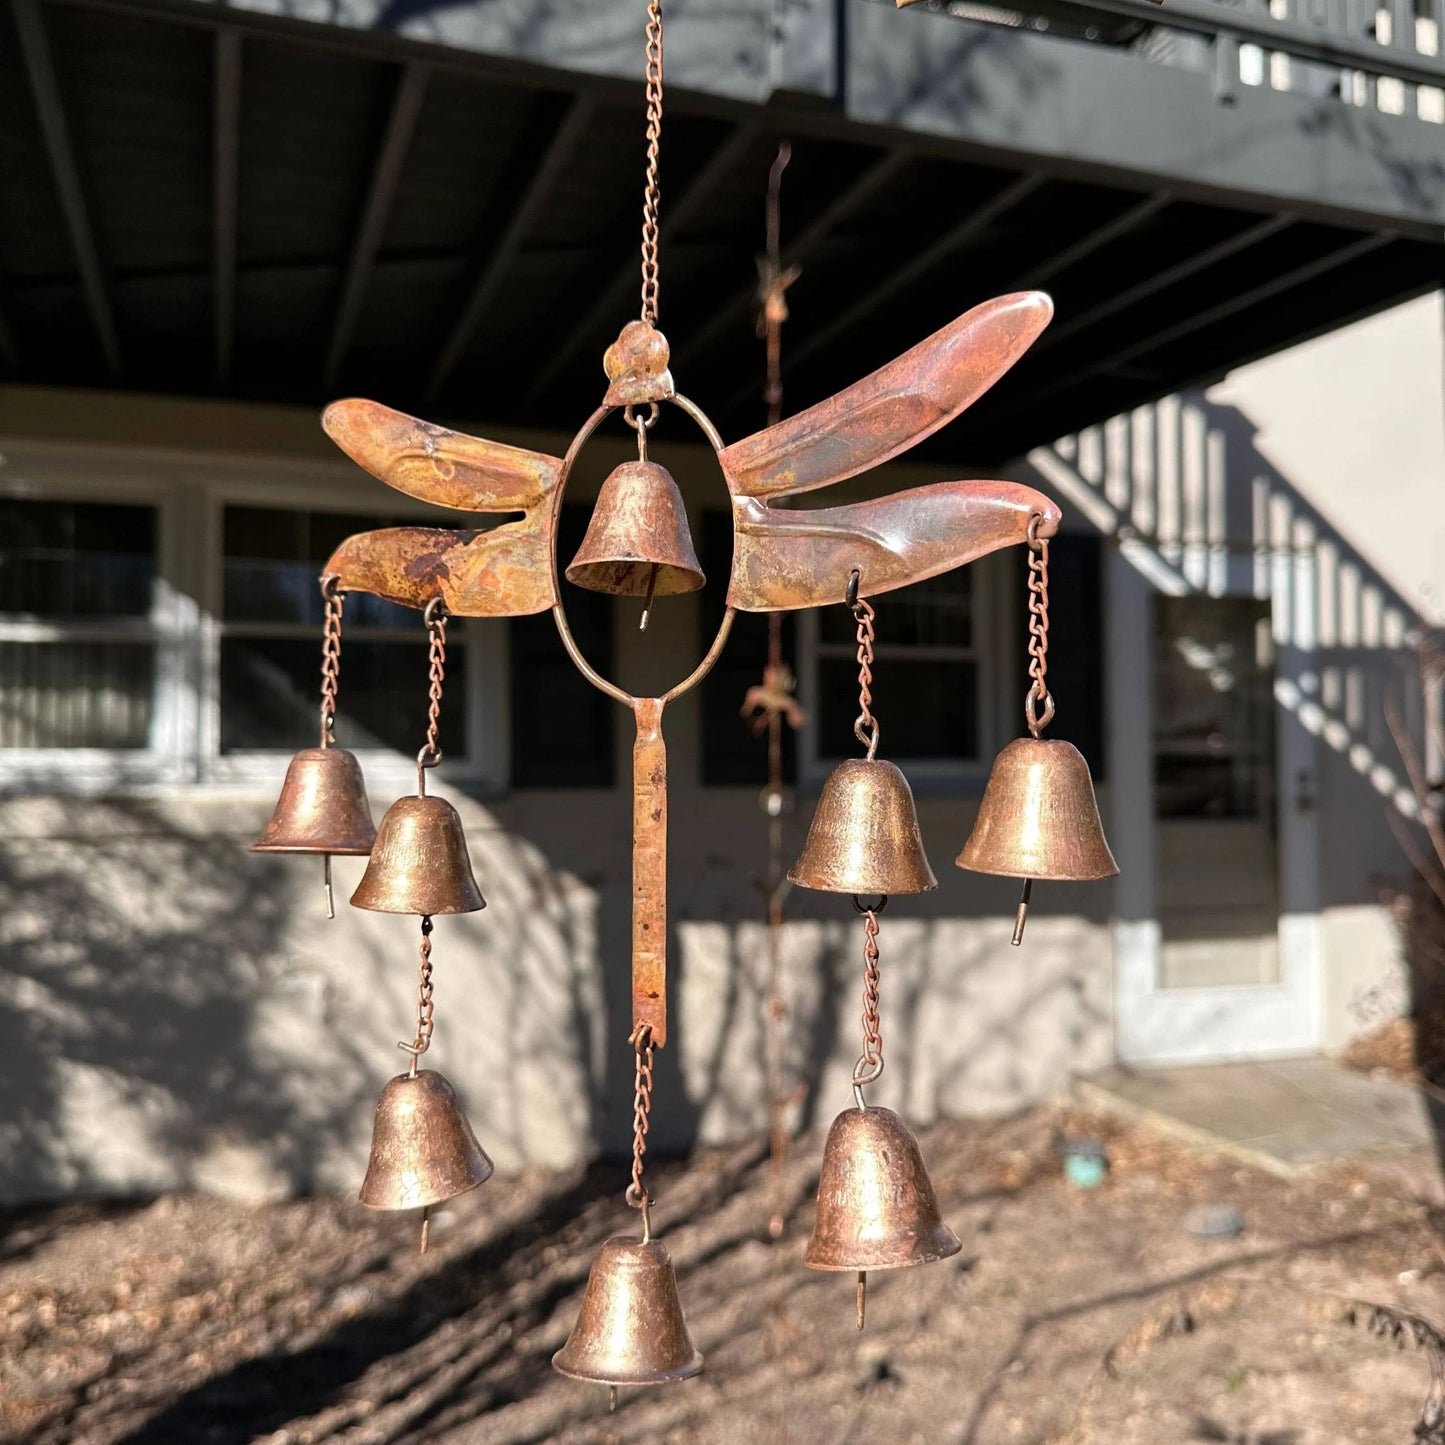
(208,201)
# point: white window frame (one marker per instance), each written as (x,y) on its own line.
(997,671)
(190,491)
(170,627)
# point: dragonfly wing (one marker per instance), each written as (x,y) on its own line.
(504,572)
(440,466)
(788,559)
(888,411)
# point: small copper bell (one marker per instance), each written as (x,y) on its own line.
(630,1330)
(419,862)
(876,1205)
(638,543)
(322,809)
(864,837)
(1039,819)
(423,1150)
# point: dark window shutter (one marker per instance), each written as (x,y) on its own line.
(733,755)
(1076,642)
(562,727)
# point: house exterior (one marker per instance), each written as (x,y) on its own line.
(1239,407)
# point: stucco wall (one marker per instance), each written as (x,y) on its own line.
(1355,420)
(178,1011)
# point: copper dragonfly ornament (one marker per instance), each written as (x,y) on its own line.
(782,559)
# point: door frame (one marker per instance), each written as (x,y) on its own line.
(1156,1025)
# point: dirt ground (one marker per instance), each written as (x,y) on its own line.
(1071,1316)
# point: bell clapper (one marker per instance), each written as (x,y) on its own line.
(647,605)
(326,883)
(1023,912)
(862,1295)
(612,1399)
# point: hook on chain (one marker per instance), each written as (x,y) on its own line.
(1038,701)
(642,424)
(651,190)
(870,1063)
(636,1195)
(865,725)
(435,616)
(333,599)
(421,1042)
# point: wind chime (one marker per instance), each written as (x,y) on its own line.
(1038,818)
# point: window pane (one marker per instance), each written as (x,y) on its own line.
(273,560)
(925,710)
(562,727)
(733,755)
(935,613)
(76,694)
(76,559)
(1213,708)
(271,695)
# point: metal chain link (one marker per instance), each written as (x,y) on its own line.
(1038,703)
(865,726)
(636,1196)
(654,138)
(334,599)
(436,627)
(870,1063)
(424,1006)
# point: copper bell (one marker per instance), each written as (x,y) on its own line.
(637,543)
(322,809)
(419,862)
(1039,819)
(876,1205)
(630,1330)
(864,837)
(423,1151)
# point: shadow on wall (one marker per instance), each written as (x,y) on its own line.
(146,1008)
(1196,507)
(180,1013)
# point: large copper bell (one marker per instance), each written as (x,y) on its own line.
(1039,819)
(637,543)
(630,1330)
(864,836)
(423,1150)
(876,1205)
(322,807)
(419,862)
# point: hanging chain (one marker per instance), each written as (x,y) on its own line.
(637,1196)
(865,726)
(654,138)
(334,599)
(870,1062)
(422,1041)
(1039,702)
(436,631)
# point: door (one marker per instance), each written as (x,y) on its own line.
(1216,835)
(1216,941)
